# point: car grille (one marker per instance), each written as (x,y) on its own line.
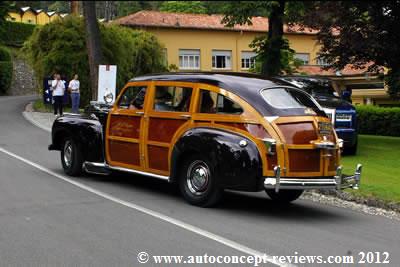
(342,117)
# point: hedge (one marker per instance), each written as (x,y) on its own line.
(6,72)
(5,54)
(378,120)
(16,33)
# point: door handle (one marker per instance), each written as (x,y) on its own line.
(141,113)
(186,116)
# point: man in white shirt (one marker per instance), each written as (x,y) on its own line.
(58,88)
(73,88)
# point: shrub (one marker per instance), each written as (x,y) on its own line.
(60,46)
(5,54)
(16,33)
(6,72)
(378,120)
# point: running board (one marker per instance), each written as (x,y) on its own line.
(96,168)
(105,169)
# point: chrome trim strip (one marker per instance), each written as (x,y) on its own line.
(106,166)
(162,177)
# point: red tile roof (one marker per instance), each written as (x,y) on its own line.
(348,70)
(146,18)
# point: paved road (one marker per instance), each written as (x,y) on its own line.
(47,221)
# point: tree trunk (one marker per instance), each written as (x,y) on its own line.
(74,8)
(93,44)
(272,65)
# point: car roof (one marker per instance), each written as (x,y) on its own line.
(245,85)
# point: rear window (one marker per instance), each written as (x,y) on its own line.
(287,98)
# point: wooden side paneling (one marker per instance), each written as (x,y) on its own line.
(124,126)
(304,160)
(158,157)
(298,133)
(124,152)
(162,130)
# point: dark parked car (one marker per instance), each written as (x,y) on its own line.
(208,132)
(341,112)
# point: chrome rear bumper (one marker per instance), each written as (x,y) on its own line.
(339,181)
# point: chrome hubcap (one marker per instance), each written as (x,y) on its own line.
(197,177)
(68,153)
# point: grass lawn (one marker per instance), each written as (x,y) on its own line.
(380,157)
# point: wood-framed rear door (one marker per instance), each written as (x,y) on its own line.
(125,128)
(169,114)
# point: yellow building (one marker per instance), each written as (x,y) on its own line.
(28,15)
(42,17)
(14,16)
(196,42)
(31,16)
(53,16)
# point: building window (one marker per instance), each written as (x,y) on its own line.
(321,61)
(248,59)
(13,19)
(165,56)
(189,59)
(303,57)
(221,59)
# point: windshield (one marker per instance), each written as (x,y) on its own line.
(292,99)
(313,86)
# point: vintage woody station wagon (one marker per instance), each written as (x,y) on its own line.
(208,132)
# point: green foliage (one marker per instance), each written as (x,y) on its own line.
(196,7)
(60,46)
(16,33)
(6,73)
(288,64)
(5,54)
(60,6)
(369,33)
(378,120)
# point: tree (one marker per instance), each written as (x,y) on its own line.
(60,6)
(273,50)
(134,52)
(196,7)
(75,8)
(361,33)
(93,44)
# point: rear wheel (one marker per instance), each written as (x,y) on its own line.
(284,196)
(71,157)
(198,182)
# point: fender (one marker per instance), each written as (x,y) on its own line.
(239,167)
(85,130)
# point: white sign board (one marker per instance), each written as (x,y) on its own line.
(107,82)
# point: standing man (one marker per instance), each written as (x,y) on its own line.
(58,88)
(73,88)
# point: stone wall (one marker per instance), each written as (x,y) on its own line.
(24,81)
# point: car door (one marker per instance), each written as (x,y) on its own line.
(124,135)
(168,115)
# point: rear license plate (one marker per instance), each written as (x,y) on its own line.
(325,128)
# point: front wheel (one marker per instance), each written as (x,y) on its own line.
(71,157)
(284,196)
(198,182)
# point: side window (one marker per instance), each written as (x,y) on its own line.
(172,98)
(211,102)
(133,98)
